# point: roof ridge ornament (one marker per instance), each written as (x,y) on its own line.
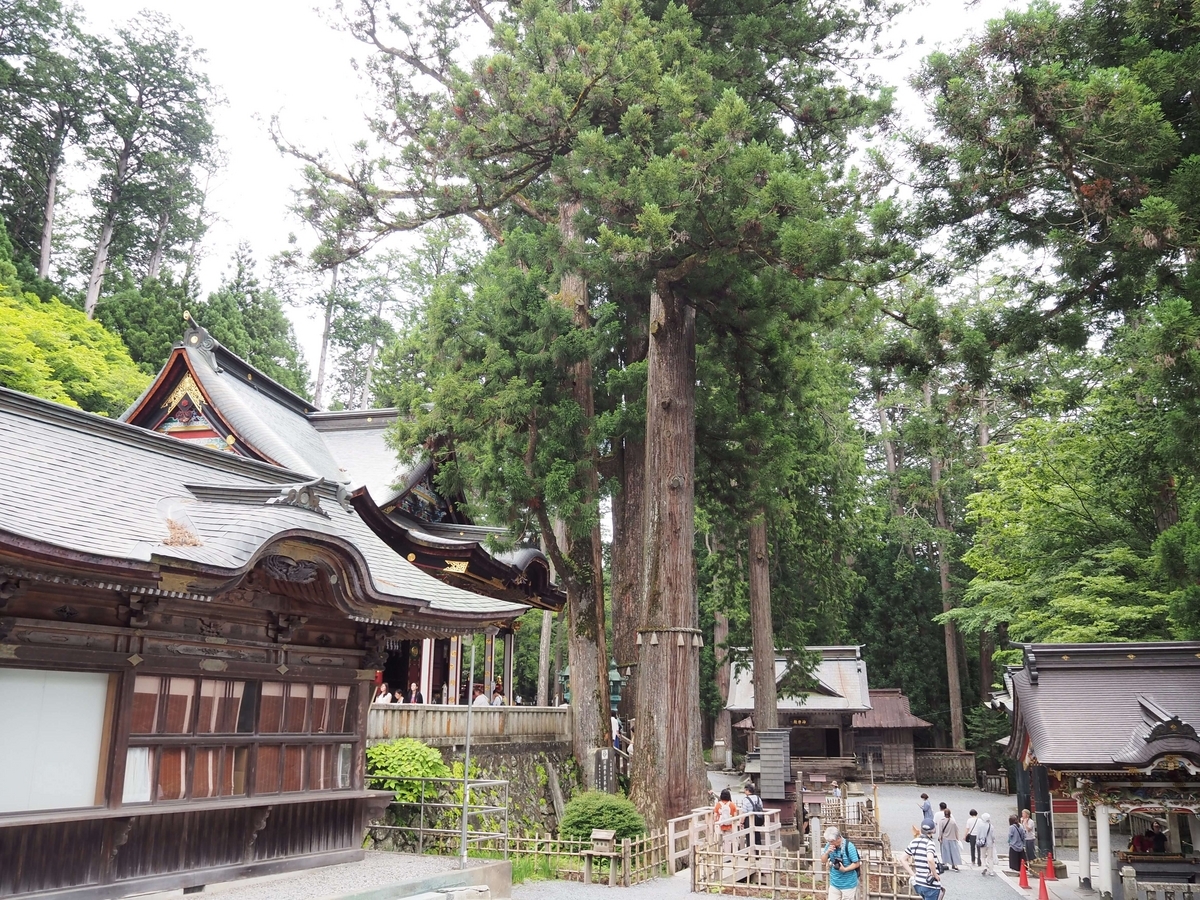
(302,496)
(196,337)
(1166,723)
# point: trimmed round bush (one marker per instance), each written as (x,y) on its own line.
(596,809)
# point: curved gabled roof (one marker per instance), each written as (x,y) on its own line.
(112,491)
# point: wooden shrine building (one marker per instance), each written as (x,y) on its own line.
(883,737)
(190,629)
(208,395)
(1113,726)
(820,723)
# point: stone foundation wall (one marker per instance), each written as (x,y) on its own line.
(530,770)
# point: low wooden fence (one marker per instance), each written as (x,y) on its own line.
(783,874)
(446,726)
(944,767)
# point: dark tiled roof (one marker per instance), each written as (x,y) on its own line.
(1107,704)
(357,441)
(889,709)
(87,484)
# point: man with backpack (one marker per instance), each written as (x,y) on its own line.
(842,860)
(752,806)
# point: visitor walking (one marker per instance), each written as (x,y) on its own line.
(972,825)
(842,860)
(926,813)
(1016,844)
(921,860)
(985,842)
(725,814)
(947,832)
(1029,827)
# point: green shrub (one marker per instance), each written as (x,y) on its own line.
(392,763)
(595,809)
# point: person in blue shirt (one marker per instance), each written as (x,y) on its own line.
(841,859)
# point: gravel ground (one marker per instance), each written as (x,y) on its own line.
(379,869)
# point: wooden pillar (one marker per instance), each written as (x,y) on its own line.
(1104,857)
(1174,838)
(489,664)
(455,671)
(426,680)
(1085,846)
(510,644)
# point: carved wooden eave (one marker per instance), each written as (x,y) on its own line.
(464,564)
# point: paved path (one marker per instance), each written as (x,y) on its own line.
(679,886)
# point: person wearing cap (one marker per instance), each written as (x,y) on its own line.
(921,860)
(842,861)
(985,843)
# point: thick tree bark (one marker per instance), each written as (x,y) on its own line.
(544,674)
(762,630)
(668,769)
(100,259)
(953,681)
(330,303)
(628,532)
(48,219)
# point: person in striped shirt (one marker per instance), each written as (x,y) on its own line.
(921,860)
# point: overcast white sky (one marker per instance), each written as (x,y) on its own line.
(280,57)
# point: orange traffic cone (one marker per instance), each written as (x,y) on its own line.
(1024,882)
(1043,894)
(1050,876)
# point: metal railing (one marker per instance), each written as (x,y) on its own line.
(434,820)
(446,726)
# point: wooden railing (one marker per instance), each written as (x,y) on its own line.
(782,874)
(944,766)
(446,726)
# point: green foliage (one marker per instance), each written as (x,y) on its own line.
(53,351)
(148,318)
(248,318)
(392,765)
(595,809)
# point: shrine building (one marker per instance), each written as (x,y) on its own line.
(194,603)
(1113,726)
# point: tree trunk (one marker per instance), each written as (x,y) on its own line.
(544,675)
(160,246)
(628,533)
(364,401)
(100,260)
(48,219)
(723,728)
(987,645)
(953,681)
(589,642)
(555,692)
(889,451)
(330,303)
(668,769)
(762,631)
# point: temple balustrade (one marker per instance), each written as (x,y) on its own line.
(446,726)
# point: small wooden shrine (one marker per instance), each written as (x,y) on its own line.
(1113,726)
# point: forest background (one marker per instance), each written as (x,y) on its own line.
(830,377)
